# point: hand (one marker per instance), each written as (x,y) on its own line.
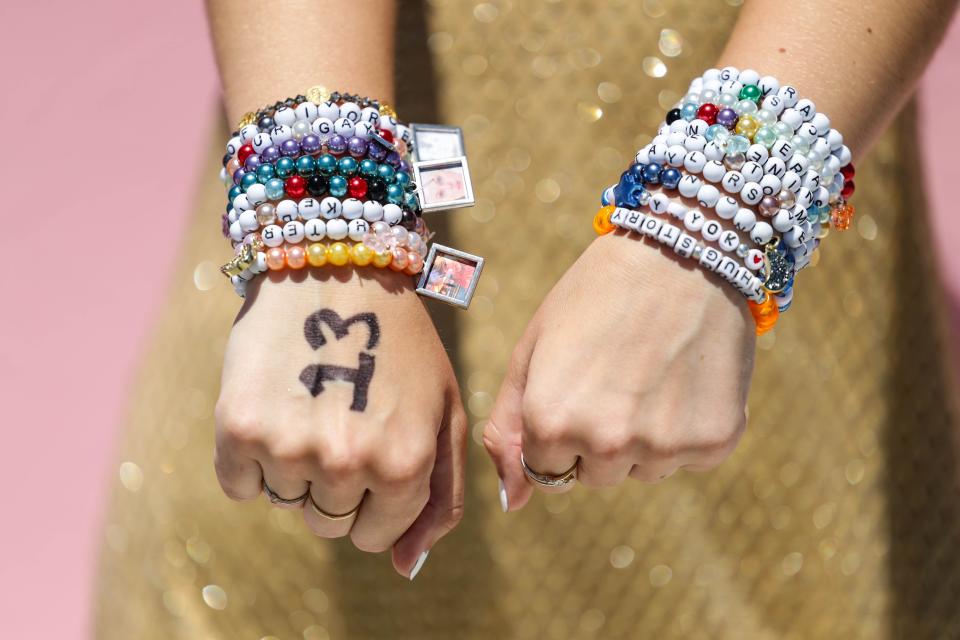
(635,365)
(336,384)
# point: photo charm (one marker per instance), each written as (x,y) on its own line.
(450,276)
(444,184)
(436,142)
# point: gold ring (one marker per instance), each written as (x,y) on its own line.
(332,516)
(560,480)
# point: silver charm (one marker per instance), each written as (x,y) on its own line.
(450,275)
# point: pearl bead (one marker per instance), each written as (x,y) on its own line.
(338,254)
(296,257)
(414,263)
(266,214)
(276,259)
(300,130)
(361,255)
(317,254)
(400,259)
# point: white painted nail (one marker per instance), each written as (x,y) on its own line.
(419,565)
(504,503)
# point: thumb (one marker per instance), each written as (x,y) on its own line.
(502,433)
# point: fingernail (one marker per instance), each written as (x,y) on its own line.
(419,565)
(504,503)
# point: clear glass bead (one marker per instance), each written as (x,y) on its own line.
(745,107)
(784,131)
(766,116)
(799,145)
(708,96)
(734,161)
(727,99)
(787,198)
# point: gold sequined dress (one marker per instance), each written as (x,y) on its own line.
(837,517)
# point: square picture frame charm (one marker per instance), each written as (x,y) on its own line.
(450,275)
(444,184)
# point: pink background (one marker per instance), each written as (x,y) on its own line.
(103,68)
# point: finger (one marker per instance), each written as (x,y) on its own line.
(546,449)
(503,432)
(653,472)
(331,511)
(397,494)
(598,471)
(444,509)
(240,476)
(285,482)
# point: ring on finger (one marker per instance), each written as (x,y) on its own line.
(276,498)
(547,480)
(333,516)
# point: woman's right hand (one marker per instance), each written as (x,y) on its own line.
(336,384)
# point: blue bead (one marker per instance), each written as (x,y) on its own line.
(347,166)
(265,172)
(368,168)
(689,111)
(326,164)
(386,171)
(338,186)
(395,193)
(651,173)
(235,190)
(284,167)
(402,178)
(248,180)
(410,201)
(628,195)
(607,196)
(274,188)
(636,170)
(670,178)
(306,165)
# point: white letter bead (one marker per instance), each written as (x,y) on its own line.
(331,207)
(693,221)
(358,228)
(710,258)
(261,141)
(248,221)
(307,111)
(392,214)
(792,117)
(808,132)
(285,116)
(728,241)
(694,161)
(730,86)
(789,95)
(782,221)
(733,182)
(770,184)
(635,221)
(742,279)
(804,197)
(695,143)
(768,85)
(344,127)
(727,207)
(389,123)
(287,210)
(714,151)
(744,220)
(794,237)
(352,209)
(752,193)
(811,180)
(821,147)
(619,217)
(757,153)
(329,110)
(711,230)
(236,231)
(241,203)
(677,210)
(782,149)
(315,229)
(372,211)
(308,208)
(844,155)
(363,130)
(675,155)
(256,194)
(689,185)
(792,181)
(714,171)
(806,108)
(729,73)
(659,202)
(677,134)
(337,229)
(684,245)
(669,234)
(749,76)
(280,134)
(247,133)
(272,235)
(774,167)
(323,128)
(727,268)
(370,116)
(752,171)
(697,127)
(657,153)
(754,259)
(234,144)
(293,232)
(773,104)
(651,226)
(643,156)
(762,233)
(708,196)
(835,138)
(350,111)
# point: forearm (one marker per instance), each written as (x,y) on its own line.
(858,60)
(270,51)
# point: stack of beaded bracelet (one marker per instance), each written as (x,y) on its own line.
(761,142)
(287,169)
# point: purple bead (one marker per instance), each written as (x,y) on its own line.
(404,166)
(337,144)
(271,154)
(376,151)
(225,223)
(357,147)
(310,143)
(290,148)
(238,175)
(252,162)
(393,158)
(728,118)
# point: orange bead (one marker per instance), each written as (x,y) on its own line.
(601,221)
(276,259)
(765,314)
(296,257)
(399,262)
(414,263)
(842,217)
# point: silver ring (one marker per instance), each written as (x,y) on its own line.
(560,480)
(278,499)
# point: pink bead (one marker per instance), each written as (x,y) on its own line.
(232,165)
(296,257)
(414,263)
(276,260)
(399,262)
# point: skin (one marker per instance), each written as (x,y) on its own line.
(666,381)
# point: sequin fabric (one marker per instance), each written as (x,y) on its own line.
(837,517)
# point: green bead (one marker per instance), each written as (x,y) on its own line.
(765,136)
(306,165)
(285,167)
(326,164)
(368,168)
(338,186)
(347,166)
(395,193)
(750,92)
(386,171)
(248,180)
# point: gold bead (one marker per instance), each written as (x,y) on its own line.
(317,254)
(387,110)
(338,254)
(248,118)
(382,259)
(317,94)
(361,254)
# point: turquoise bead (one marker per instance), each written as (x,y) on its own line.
(338,186)
(347,166)
(368,168)
(235,190)
(765,136)
(395,193)
(284,167)
(410,201)
(386,171)
(306,165)
(265,172)
(326,164)
(248,180)
(274,188)
(689,111)
(738,144)
(824,215)
(716,131)
(402,178)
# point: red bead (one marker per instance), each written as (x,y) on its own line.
(245,152)
(386,135)
(848,172)
(357,187)
(848,189)
(708,113)
(296,186)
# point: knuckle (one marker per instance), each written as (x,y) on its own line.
(240,430)
(404,466)
(291,451)
(545,425)
(368,544)
(660,445)
(340,462)
(610,444)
